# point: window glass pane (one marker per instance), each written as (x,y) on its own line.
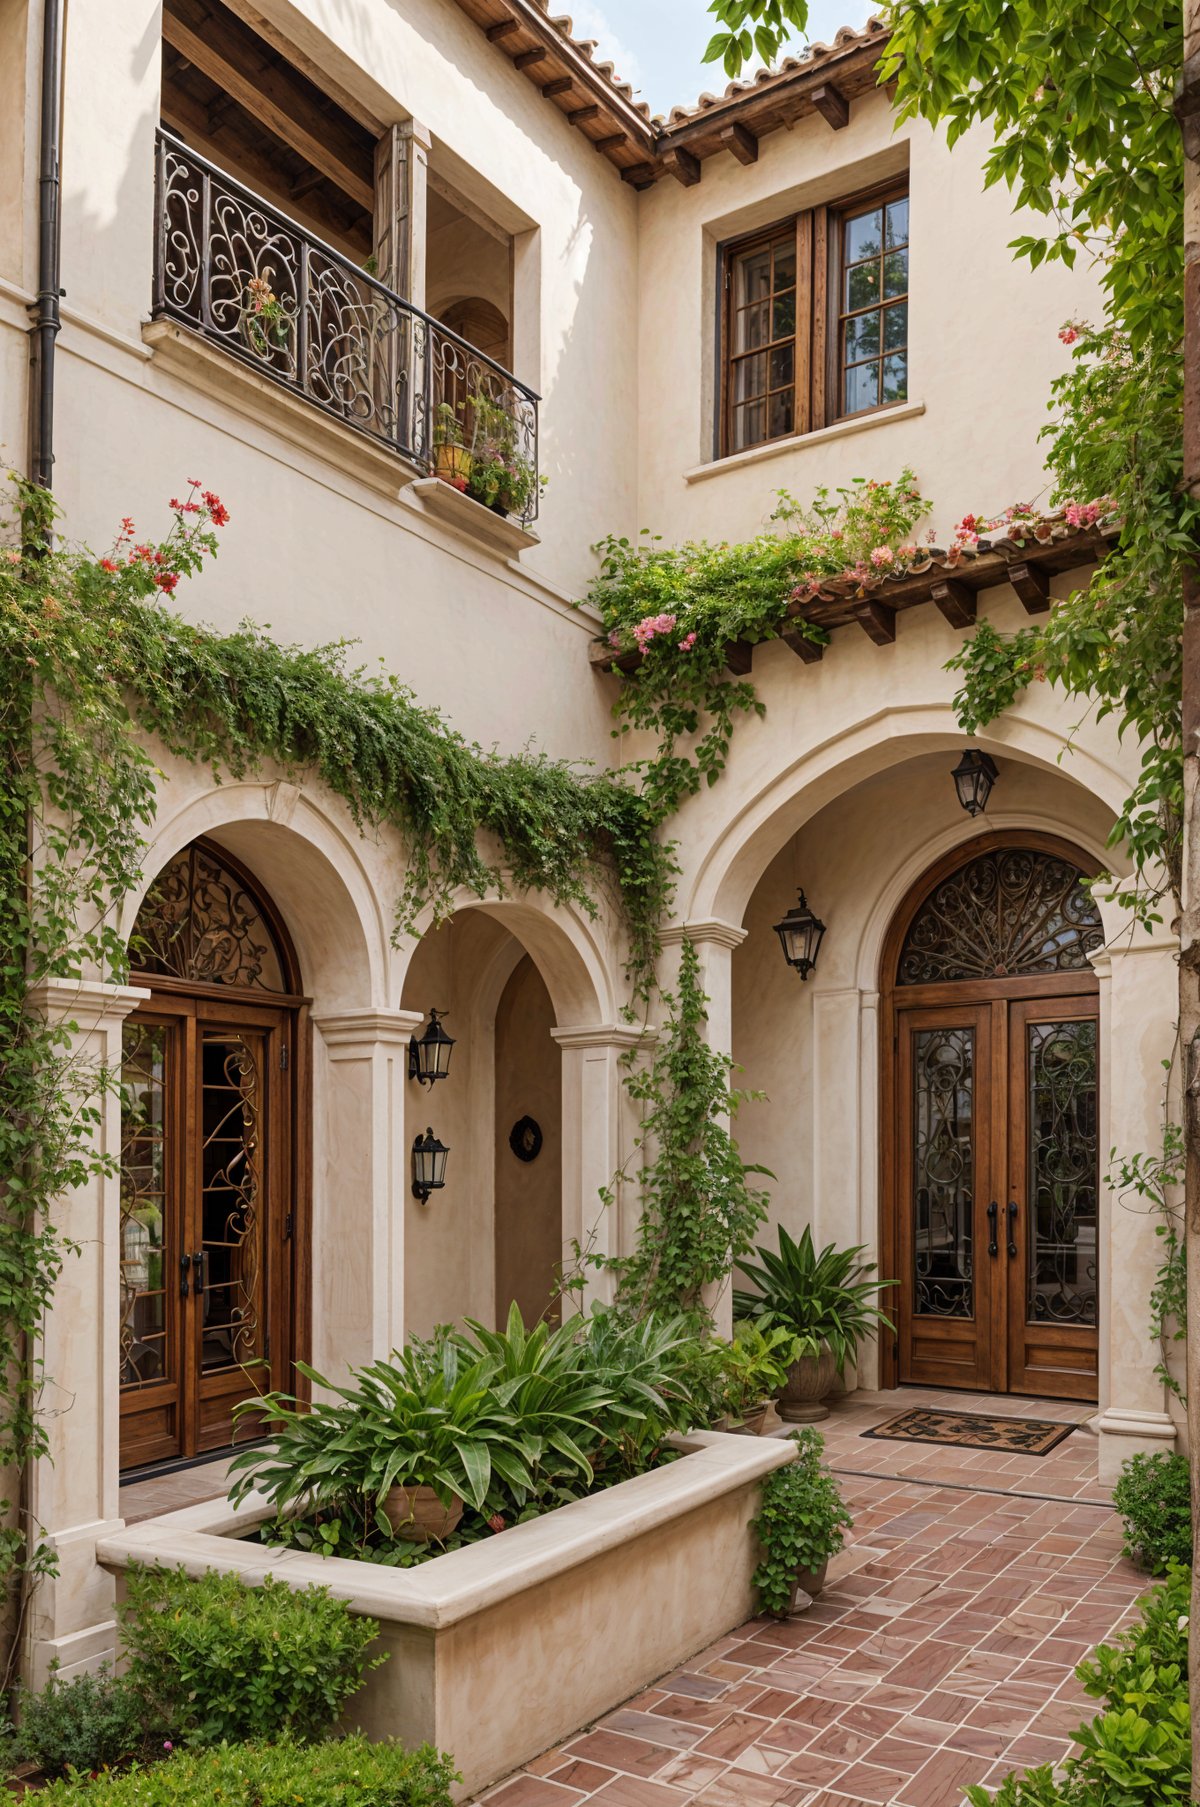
(861,387)
(864,235)
(784,322)
(782,367)
(748,424)
(862,338)
(752,277)
(751,327)
(895,273)
(895,377)
(785,264)
(862,287)
(895,327)
(897,223)
(782,414)
(749,377)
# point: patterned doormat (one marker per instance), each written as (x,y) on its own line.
(970,1430)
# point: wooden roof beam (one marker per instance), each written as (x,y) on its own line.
(504,29)
(640,175)
(957,602)
(739,657)
(740,141)
(683,166)
(876,621)
(528,58)
(271,97)
(581,115)
(832,105)
(810,652)
(611,142)
(1033,587)
(561,84)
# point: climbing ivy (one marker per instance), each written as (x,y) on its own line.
(95,667)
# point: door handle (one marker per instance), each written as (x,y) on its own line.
(201,1256)
(185,1262)
(1012,1224)
(993,1245)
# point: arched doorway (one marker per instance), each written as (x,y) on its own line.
(211,1180)
(990,1090)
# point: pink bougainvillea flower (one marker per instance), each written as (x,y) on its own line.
(688,641)
(882,556)
(1068,334)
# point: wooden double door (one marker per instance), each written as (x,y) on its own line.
(992,1181)
(207,1220)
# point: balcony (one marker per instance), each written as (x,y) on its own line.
(244,276)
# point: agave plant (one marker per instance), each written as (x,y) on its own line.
(827,1298)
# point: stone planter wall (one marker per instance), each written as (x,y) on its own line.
(500,1650)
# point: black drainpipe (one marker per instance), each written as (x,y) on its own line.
(45,310)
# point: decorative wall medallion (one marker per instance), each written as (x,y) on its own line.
(525,1139)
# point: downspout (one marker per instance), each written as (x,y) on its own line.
(45,310)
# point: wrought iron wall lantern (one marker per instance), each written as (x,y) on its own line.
(429,1058)
(974,776)
(428,1165)
(800,935)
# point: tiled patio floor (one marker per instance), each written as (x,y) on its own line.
(941,1653)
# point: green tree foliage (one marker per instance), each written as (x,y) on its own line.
(752,27)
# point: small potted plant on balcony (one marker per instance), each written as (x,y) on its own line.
(451,459)
(801,1524)
(751,1370)
(827,1299)
(502,477)
(266,324)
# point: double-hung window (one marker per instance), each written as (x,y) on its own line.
(815,320)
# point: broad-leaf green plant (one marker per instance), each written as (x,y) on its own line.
(801,1522)
(827,1298)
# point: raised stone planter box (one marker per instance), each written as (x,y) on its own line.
(502,1649)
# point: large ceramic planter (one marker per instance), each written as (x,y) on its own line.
(418,1515)
(808,1381)
(503,1648)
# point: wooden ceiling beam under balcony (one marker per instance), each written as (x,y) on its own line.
(953,590)
(276,100)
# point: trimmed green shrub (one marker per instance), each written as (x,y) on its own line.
(1138,1753)
(1154,1498)
(89,1722)
(346,1772)
(216,1660)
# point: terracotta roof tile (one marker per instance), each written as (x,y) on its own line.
(847,38)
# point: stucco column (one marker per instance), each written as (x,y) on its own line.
(1138,1003)
(362,1170)
(714,941)
(74,1489)
(596,1137)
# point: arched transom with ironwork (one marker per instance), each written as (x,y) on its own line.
(203,922)
(1011,912)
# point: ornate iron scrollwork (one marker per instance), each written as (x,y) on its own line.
(1003,915)
(1063,1168)
(943,1172)
(199,922)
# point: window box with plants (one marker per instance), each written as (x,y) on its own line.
(827,1299)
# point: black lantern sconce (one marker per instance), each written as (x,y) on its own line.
(428,1166)
(800,935)
(429,1058)
(974,776)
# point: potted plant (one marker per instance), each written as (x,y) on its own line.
(751,1370)
(501,476)
(801,1524)
(266,324)
(826,1299)
(403,1445)
(451,459)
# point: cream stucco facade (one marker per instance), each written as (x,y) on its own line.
(843,786)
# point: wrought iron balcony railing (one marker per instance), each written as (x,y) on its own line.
(248,278)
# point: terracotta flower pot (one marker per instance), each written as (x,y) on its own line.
(418,1515)
(808,1381)
(810,1582)
(452,463)
(751,1423)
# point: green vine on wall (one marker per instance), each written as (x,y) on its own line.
(95,666)
(1155,1181)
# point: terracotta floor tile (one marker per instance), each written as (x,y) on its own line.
(843,1742)
(872,1783)
(635,1791)
(533,1791)
(901,1753)
(633,1756)
(819,1772)
(730,1739)
(691,1773)
(940,1782)
(736,1787)
(584,1776)
(673,1732)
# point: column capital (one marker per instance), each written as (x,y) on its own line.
(361,1028)
(66,1000)
(604,1035)
(710,929)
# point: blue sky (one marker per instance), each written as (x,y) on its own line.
(657,44)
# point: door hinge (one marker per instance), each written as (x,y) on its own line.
(283,1058)
(289,1226)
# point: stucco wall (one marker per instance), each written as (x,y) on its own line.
(528,1194)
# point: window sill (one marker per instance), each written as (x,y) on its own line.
(455,509)
(776,448)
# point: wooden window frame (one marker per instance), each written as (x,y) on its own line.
(819,271)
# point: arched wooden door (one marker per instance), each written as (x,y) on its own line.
(212,1224)
(990,1093)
